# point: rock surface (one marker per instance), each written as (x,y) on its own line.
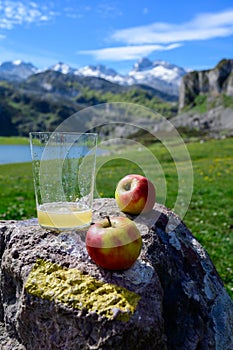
(54,297)
(212,81)
(204,102)
(216,122)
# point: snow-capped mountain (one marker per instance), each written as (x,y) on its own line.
(16,70)
(160,75)
(101,71)
(62,68)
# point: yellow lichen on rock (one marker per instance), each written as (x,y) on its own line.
(71,287)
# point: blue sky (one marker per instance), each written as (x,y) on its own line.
(192,34)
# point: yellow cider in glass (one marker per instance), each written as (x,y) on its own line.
(63,215)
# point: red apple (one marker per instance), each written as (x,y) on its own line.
(135,194)
(115,243)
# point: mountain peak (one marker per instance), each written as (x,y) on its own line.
(62,68)
(17,62)
(18,70)
(142,64)
(99,70)
(160,75)
(103,72)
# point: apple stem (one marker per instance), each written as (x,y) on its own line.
(109,221)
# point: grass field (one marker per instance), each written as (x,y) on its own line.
(210,212)
(14,140)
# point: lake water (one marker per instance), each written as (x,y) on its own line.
(21,153)
(14,154)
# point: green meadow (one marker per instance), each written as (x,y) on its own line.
(13,140)
(209,213)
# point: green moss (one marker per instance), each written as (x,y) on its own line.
(74,289)
(227,101)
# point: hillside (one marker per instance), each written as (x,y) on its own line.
(44,100)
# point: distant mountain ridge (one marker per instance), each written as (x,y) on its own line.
(45,99)
(160,75)
(16,70)
(32,99)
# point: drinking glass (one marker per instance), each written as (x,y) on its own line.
(64,178)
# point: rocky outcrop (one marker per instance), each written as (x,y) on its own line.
(216,123)
(54,297)
(212,82)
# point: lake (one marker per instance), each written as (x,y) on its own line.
(21,153)
(14,154)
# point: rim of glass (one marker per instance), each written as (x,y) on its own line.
(62,132)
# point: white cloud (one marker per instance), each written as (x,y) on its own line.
(202,27)
(127,52)
(162,36)
(14,13)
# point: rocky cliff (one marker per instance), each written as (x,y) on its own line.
(207,82)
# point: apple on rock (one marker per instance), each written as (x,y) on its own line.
(135,194)
(114,243)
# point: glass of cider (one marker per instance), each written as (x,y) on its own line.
(64,178)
